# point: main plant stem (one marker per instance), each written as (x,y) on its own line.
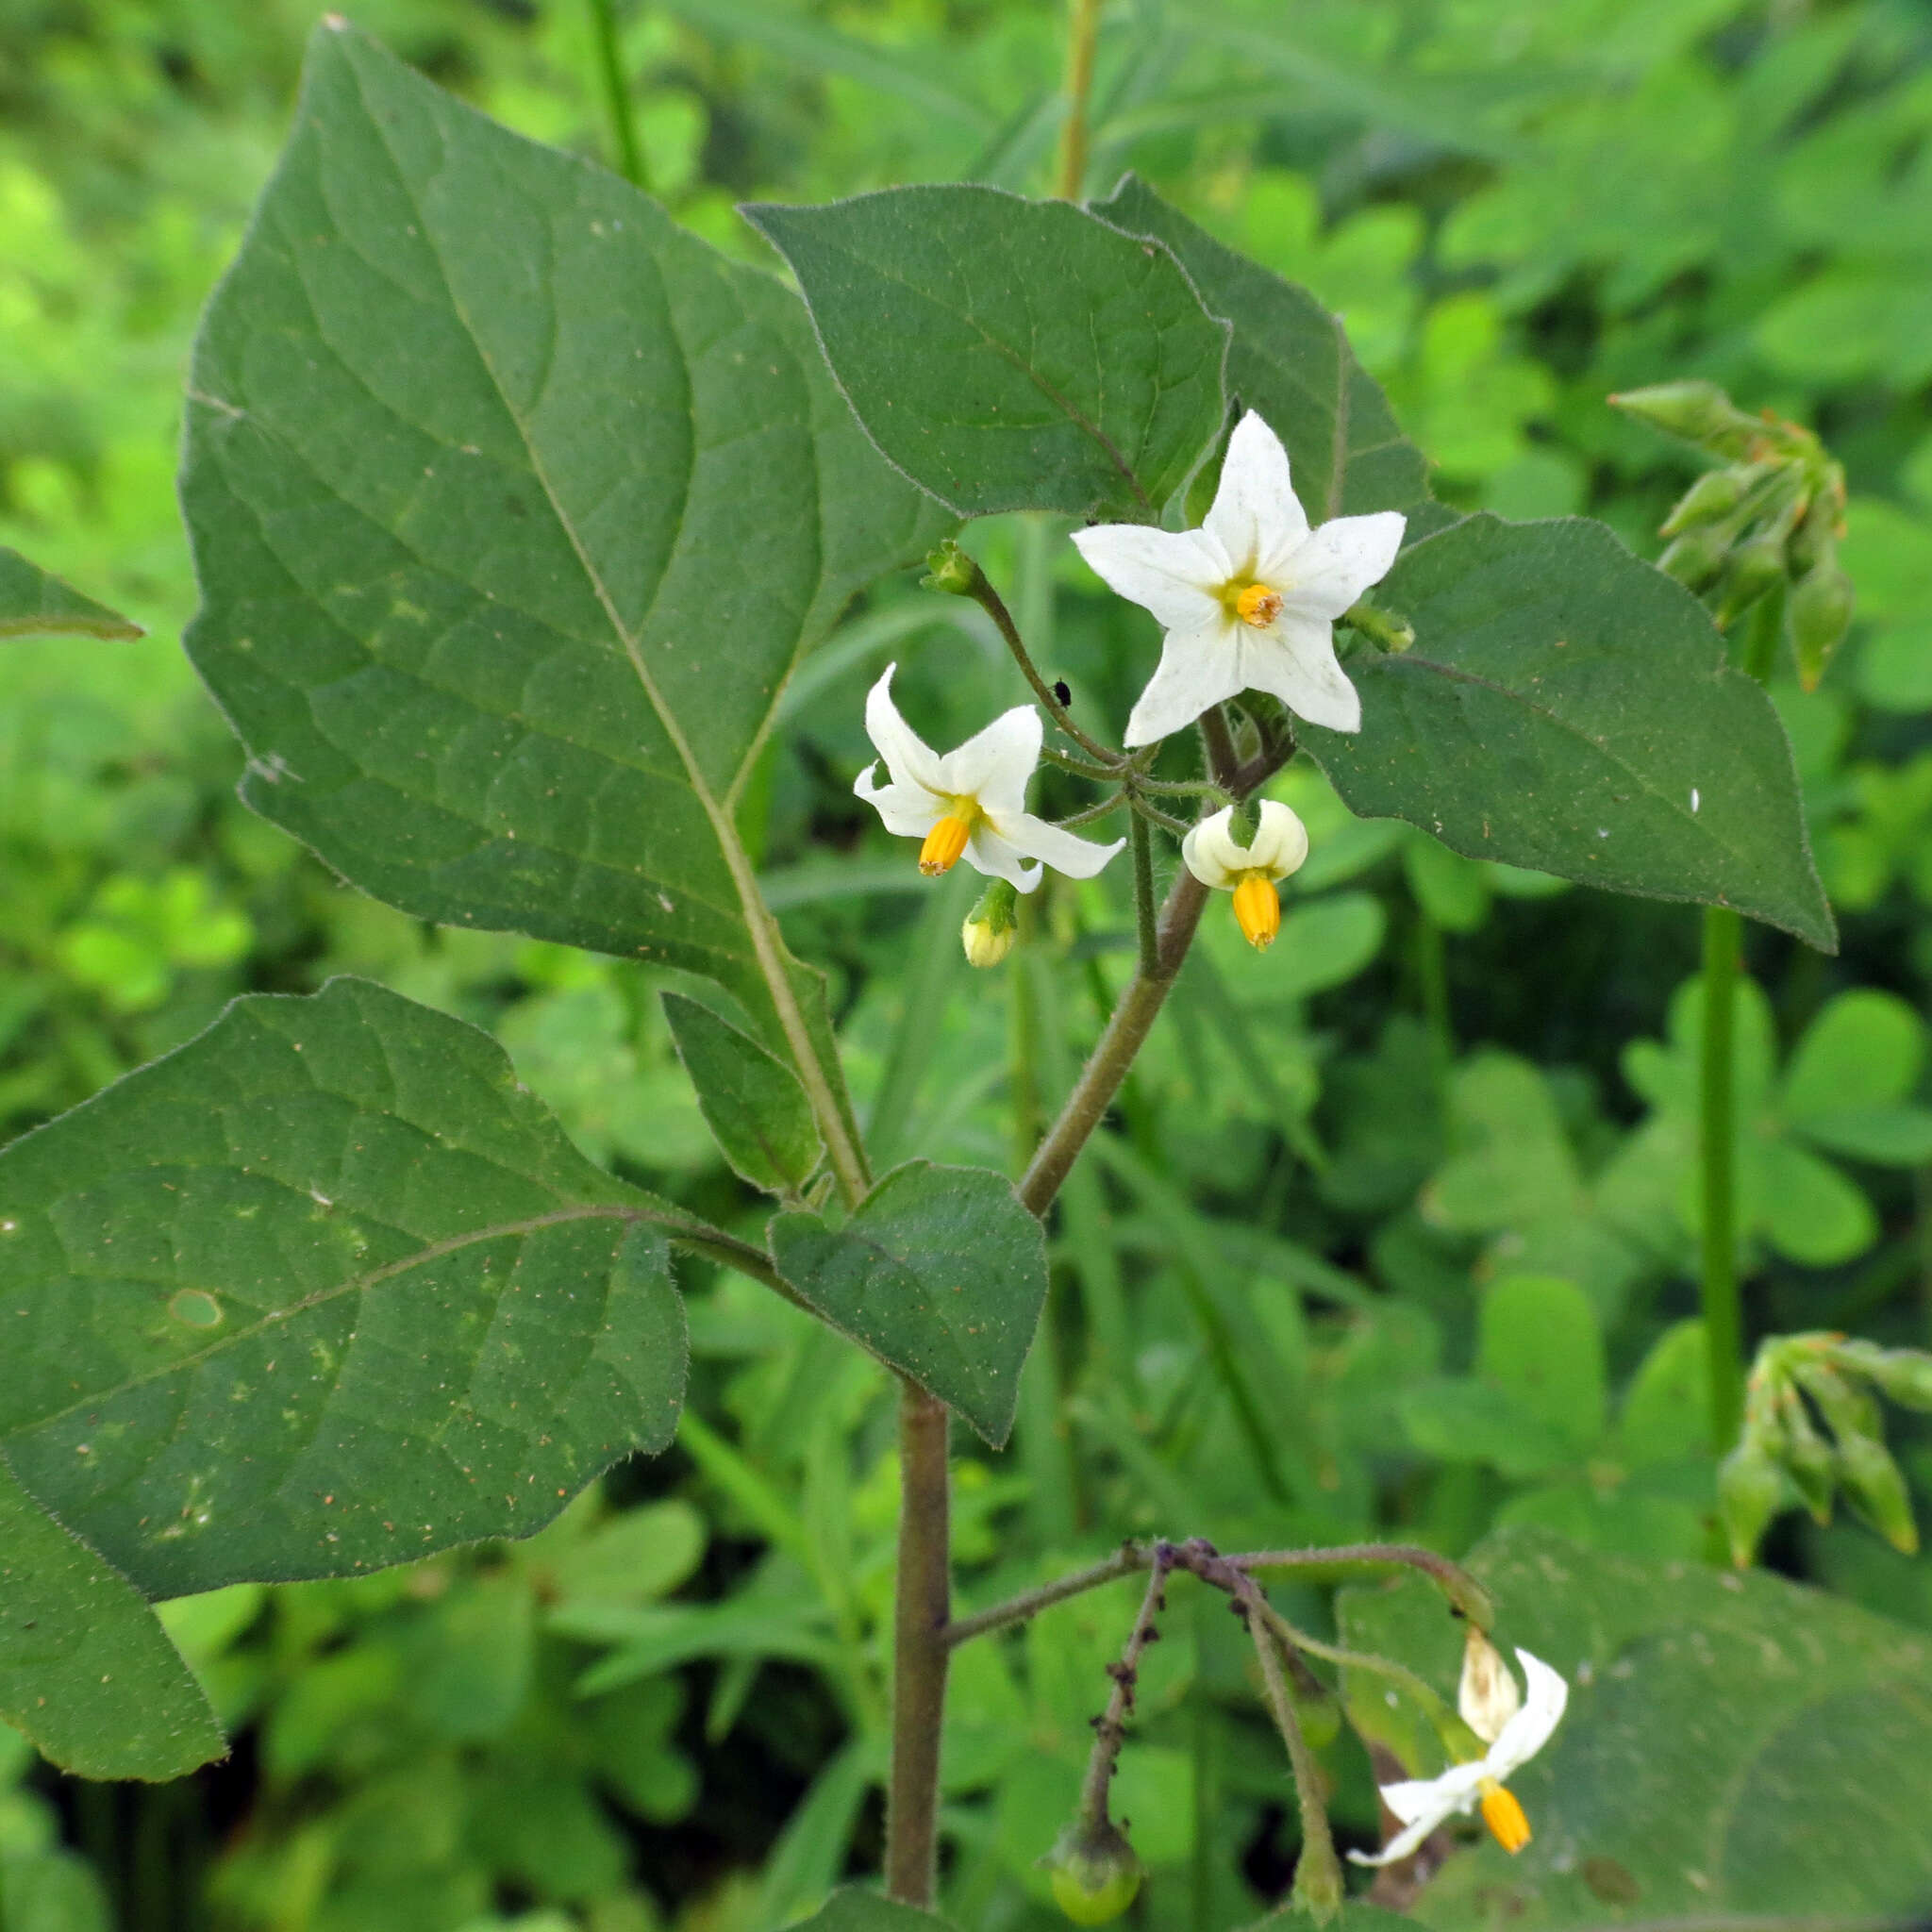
(1083,30)
(921,1611)
(1723,1322)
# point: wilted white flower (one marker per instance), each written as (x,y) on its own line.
(1487,1697)
(1248,601)
(969,803)
(1249,872)
(1423,1803)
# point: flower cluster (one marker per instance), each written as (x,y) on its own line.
(1247,603)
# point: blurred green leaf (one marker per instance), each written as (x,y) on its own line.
(1539,1339)
(1009,354)
(33,604)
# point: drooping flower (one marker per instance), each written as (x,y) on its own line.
(1248,601)
(1249,872)
(1423,1803)
(969,803)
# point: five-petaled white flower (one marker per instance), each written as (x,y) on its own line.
(1249,872)
(1423,1803)
(1248,600)
(971,802)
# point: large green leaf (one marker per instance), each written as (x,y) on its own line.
(1289,359)
(941,1274)
(1568,707)
(86,1670)
(855,1910)
(322,1289)
(513,506)
(1737,1749)
(33,602)
(1009,354)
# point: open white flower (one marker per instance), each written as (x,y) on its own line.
(969,803)
(1248,601)
(1423,1803)
(1249,872)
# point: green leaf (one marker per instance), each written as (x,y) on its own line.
(1812,1213)
(1616,747)
(1737,1748)
(1539,1339)
(513,506)
(852,1910)
(32,603)
(1009,354)
(1289,359)
(85,1671)
(1863,1050)
(321,1291)
(941,1274)
(1885,1136)
(751,1101)
(1666,1412)
(1459,1418)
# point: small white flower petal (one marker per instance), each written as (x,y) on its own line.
(1197,669)
(1209,853)
(988,851)
(1294,661)
(1079,858)
(1546,1696)
(907,757)
(1255,514)
(1178,575)
(1281,841)
(1421,1804)
(993,765)
(1335,565)
(910,810)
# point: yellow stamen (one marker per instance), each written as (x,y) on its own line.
(945,843)
(1258,604)
(1504,1816)
(1258,910)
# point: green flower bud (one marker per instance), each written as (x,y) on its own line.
(1750,1491)
(1697,411)
(1905,1375)
(1755,567)
(1807,1456)
(1094,1873)
(1877,1491)
(1850,1412)
(1715,494)
(1820,613)
(992,925)
(950,569)
(1695,558)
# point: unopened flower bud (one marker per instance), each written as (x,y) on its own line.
(1750,1491)
(1807,1456)
(992,925)
(1715,494)
(1094,1873)
(950,569)
(1697,411)
(1905,1375)
(1877,1491)
(1694,558)
(1820,613)
(1755,566)
(1487,1696)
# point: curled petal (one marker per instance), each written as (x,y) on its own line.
(1175,574)
(1281,841)
(1423,1803)
(908,757)
(1326,573)
(1545,1697)
(910,810)
(1256,515)
(1210,852)
(1079,858)
(1197,669)
(1294,660)
(993,765)
(989,852)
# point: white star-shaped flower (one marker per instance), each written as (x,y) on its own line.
(1423,1803)
(1249,872)
(1248,601)
(969,803)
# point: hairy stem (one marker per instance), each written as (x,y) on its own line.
(923,1597)
(1464,1593)
(1723,1323)
(617,101)
(1124,1562)
(1145,915)
(1083,30)
(1110,1733)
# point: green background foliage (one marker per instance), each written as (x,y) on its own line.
(1391,1232)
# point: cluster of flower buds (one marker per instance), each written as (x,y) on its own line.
(1812,1428)
(1761,533)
